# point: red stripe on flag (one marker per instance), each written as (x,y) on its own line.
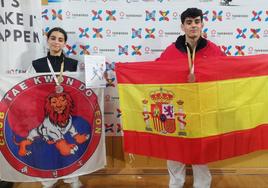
(198,150)
(207,69)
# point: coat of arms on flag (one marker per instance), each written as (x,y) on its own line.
(163,116)
(50,134)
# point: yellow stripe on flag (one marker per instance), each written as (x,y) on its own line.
(207,109)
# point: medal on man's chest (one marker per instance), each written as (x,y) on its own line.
(191,78)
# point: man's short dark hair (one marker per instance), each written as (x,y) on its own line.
(191,13)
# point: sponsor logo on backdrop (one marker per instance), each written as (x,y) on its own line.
(71,49)
(250,50)
(240,50)
(45,14)
(119,113)
(255,33)
(175,16)
(265,33)
(45,31)
(96,15)
(83,32)
(56,14)
(261,51)
(110,16)
(133,16)
(72,15)
(112,128)
(172,33)
(136,33)
(85,49)
(123,15)
(150,33)
(108,33)
(256,15)
(150,16)
(214,33)
(240,16)
(205,15)
(136,50)
(161,33)
(205,33)
(149,51)
(122,50)
(164,15)
(109,127)
(217,16)
(119,33)
(97,50)
(241,33)
(233,16)
(227,49)
(97,32)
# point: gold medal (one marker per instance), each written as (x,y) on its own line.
(191,78)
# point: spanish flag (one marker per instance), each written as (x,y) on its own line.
(222,115)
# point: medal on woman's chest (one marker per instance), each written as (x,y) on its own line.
(58,79)
(59,89)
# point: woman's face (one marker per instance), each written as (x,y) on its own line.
(56,42)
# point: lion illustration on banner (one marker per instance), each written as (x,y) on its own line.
(56,124)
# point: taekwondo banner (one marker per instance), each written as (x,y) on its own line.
(222,115)
(47,133)
(21,38)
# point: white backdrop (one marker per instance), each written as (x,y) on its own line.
(138,30)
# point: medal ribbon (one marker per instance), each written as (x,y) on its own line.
(190,59)
(53,72)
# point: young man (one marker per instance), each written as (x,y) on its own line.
(192,46)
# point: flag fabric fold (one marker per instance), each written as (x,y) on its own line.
(221,115)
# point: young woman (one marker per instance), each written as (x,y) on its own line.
(56,61)
(56,40)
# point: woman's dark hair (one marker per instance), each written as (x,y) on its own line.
(191,13)
(59,30)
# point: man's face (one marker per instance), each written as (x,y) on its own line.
(192,27)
